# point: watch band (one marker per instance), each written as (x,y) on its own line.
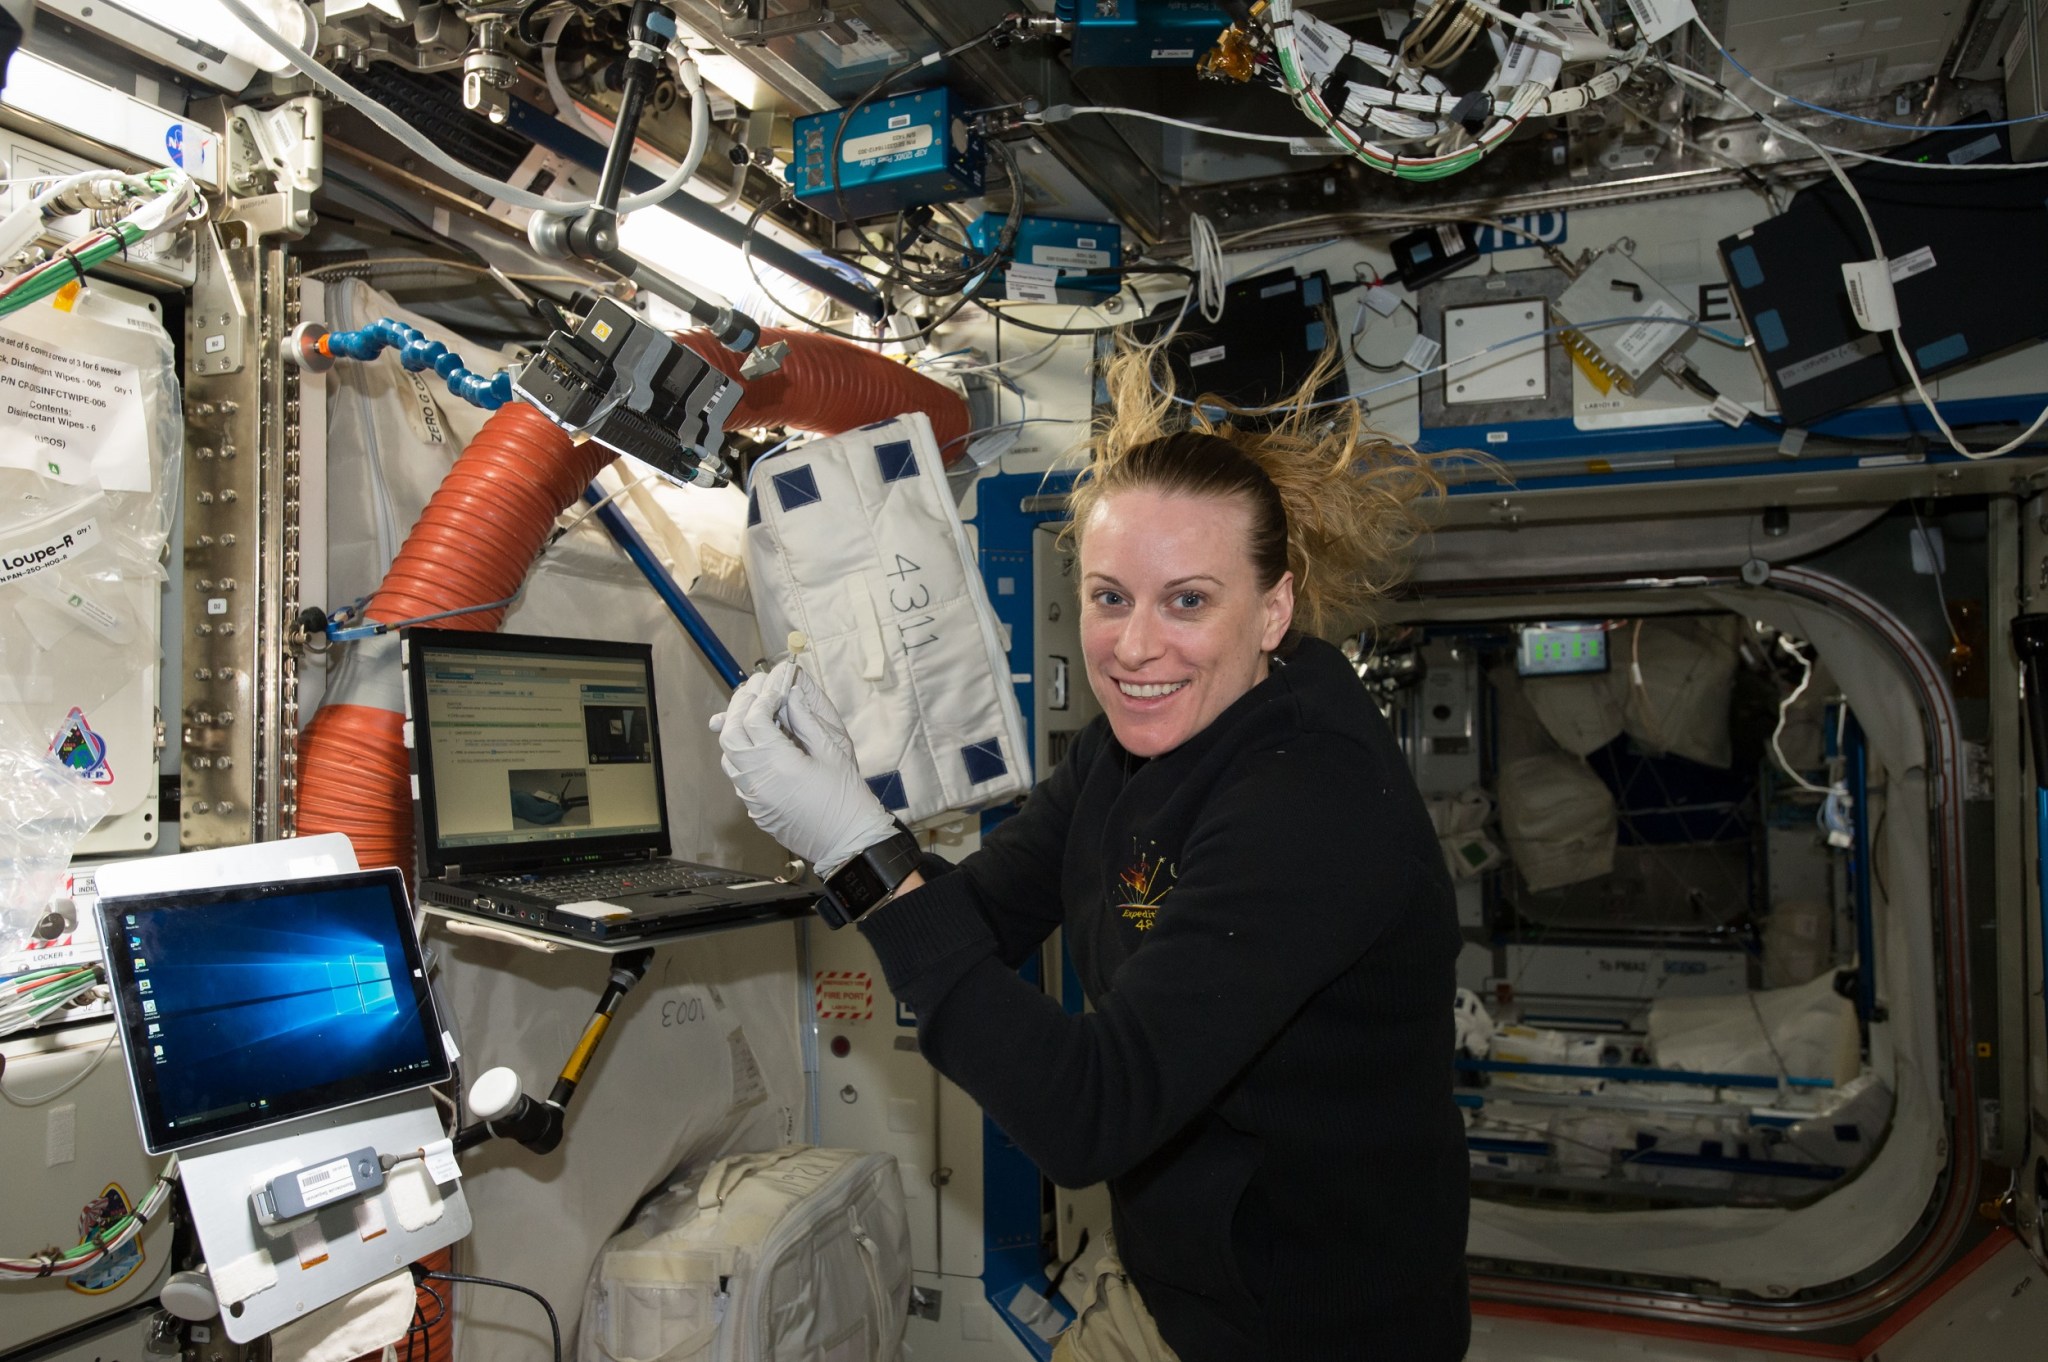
(868,879)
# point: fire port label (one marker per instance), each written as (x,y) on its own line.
(845,995)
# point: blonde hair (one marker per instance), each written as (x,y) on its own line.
(1333,501)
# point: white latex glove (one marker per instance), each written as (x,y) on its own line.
(792,764)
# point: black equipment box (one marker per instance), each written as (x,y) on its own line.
(1967,264)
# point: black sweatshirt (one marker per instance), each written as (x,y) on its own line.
(1262,921)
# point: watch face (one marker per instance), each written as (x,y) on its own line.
(873,875)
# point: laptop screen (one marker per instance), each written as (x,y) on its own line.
(533,751)
(245,1005)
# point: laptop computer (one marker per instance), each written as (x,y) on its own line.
(538,793)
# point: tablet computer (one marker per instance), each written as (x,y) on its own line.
(247,1005)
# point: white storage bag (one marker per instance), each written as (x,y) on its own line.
(854,542)
(1559,819)
(795,1255)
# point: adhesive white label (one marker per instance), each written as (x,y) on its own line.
(1528,61)
(1577,38)
(84,609)
(1422,355)
(899,121)
(25,556)
(70,416)
(1383,300)
(1827,361)
(1870,294)
(876,145)
(1208,356)
(1656,18)
(1173,54)
(1728,411)
(1313,146)
(1643,343)
(1031,284)
(1317,47)
(1069,257)
(325,1182)
(1919,262)
(439,1157)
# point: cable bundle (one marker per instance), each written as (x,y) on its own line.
(33,996)
(102,1241)
(173,199)
(1425,130)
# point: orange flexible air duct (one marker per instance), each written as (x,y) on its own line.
(474,543)
(828,386)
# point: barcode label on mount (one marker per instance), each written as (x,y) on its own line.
(1657,18)
(1421,356)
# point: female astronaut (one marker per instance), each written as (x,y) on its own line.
(1248,885)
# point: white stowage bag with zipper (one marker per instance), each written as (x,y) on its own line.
(794,1255)
(854,542)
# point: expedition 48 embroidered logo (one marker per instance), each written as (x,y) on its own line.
(1145,882)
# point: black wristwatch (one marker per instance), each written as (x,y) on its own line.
(868,879)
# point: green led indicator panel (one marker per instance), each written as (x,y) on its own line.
(1561,650)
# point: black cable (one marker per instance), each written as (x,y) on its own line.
(972,275)
(1352,345)
(554,1324)
(971,294)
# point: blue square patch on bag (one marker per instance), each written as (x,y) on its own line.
(897,459)
(888,787)
(797,487)
(984,761)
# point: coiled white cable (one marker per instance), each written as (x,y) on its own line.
(700,114)
(1208,265)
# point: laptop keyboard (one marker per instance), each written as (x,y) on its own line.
(654,877)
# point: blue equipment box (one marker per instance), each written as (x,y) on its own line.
(895,153)
(1076,249)
(1143,32)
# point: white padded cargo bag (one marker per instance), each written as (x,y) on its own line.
(854,541)
(795,1255)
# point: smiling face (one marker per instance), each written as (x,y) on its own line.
(1175,625)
